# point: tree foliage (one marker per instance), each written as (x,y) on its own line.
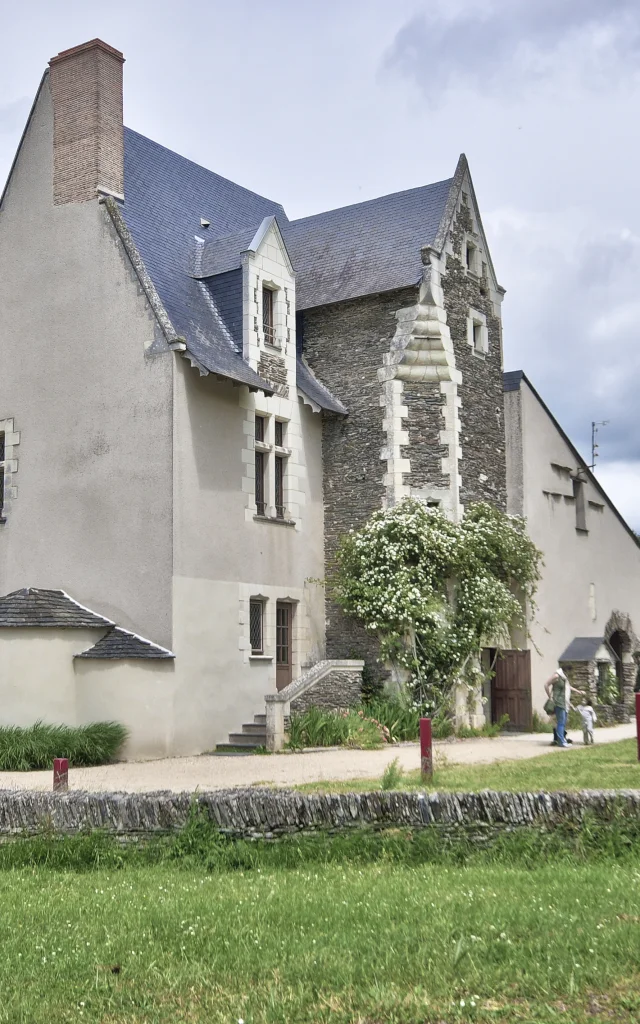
(436,592)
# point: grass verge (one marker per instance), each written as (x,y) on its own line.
(410,945)
(34,748)
(610,766)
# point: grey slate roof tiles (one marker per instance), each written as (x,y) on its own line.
(512,379)
(582,648)
(313,389)
(120,643)
(47,608)
(367,248)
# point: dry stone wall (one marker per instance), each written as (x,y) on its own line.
(265,813)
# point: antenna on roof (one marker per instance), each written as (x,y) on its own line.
(594,445)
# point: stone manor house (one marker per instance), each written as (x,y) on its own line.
(199,397)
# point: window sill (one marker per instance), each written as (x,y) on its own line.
(280,450)
(261,446)
(273,345)
(261,657)
(274,520)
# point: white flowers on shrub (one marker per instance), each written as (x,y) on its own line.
(437,592)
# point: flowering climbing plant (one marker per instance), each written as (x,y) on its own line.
(436,592)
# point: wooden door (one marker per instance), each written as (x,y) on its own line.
(511,690)
(284,620)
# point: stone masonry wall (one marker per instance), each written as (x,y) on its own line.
(345,344)
(483,465)
(256,813)
(273,369)
(425,403)
(338,689)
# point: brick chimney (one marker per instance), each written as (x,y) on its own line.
(88,145)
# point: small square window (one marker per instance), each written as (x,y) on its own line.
(477,338)
(259,435)
(256,626)
(279,433)
(471,257)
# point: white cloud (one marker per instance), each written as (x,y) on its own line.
(621,480)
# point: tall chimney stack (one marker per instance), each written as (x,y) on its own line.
(88,144)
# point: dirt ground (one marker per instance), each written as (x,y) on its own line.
(205,771)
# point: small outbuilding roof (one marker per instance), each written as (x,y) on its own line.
(583,648)
(49,609)
(120,643)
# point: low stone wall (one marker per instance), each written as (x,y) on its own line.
(612,714)
(270,813)
(339,689)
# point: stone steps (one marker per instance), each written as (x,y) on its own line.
(253,735)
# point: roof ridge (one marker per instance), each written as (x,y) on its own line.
(375,199)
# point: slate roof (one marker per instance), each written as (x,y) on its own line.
(366,248)
(512,379)
(313,389)
(582,648)
(165,197)
(47,608)
(341,254)
(120,643)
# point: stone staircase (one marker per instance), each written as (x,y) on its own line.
(254,734)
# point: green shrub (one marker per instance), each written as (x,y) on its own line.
(34,748)
(392,775)
(319,727)
(540,724)
(400,718)
(442,727)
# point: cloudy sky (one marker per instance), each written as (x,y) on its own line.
(321,104)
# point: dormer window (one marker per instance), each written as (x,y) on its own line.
(268,320)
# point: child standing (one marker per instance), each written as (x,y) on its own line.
(588,716)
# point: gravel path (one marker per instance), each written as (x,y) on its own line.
(205,772)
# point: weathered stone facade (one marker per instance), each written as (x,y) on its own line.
(425,405)
(345,344)
(335,691)
(273,369)
(483,464)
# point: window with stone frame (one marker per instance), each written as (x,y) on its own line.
(260,467)
(256,625)
(471,257)
(477,333)
(279,486)
(268,316)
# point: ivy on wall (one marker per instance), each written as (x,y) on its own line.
(436,592)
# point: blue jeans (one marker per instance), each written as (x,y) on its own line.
(561,722)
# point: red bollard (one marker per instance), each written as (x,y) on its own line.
(426,749)
(60,775)
(638,722)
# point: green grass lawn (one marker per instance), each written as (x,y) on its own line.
(329,943)
(610,766)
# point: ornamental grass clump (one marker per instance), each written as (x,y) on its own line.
(34,748)
(318,727)
(437,592)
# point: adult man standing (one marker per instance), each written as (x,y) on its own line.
(559,691)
